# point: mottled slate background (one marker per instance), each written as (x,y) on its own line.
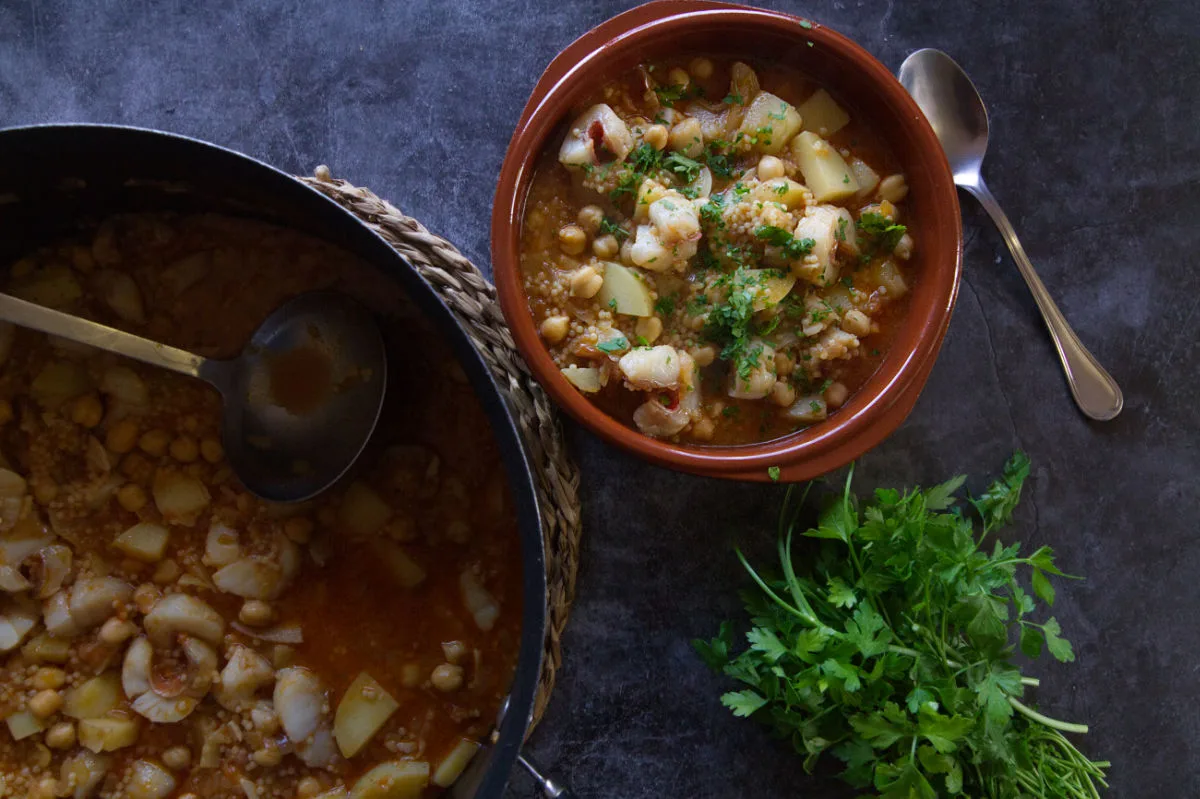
(1095,154)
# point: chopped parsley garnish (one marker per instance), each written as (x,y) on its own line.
(613,303)
(668,95)
(782,189)
(611,228)
(711,211)
(642,341)
(731,411)
(806,25)
(616,344)
(840,235)
(882,232)
(848,282)
(686,168)
(773,473)
(665,306)
(732,99)
(793,248)
(782,115)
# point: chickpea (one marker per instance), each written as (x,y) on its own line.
(679,77)
(256,613)
(155,442)
(783,393)
(554,328)
(146,596)
(701,68)
(410,675)
(308,787)
(185,449)
(61,735)
(268,756)
(177,758)
(46,788)
(447,677)
(703,430)
(687,137)
(769,168)
(137,467)
(571,239)
(605,246)
(115,631)
(44,491)
(649,328)
(656,136)
(298,529)
(6,412)
(49,677)
(166,572)
(836,395)
(893,188)
(589,218)
(121,437)
(703,356)
(627,252)
(45,703)
(211,450)
(131,497)
(586,283)
(784,365)
(87,411)
(454,650)
(856,322)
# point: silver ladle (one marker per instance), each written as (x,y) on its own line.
(956,111)
(300,402)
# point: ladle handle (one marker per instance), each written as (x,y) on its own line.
(1095,391)
(93,334)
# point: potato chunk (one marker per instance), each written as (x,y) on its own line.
(108,734)
(822,115)
(365,707)
(397,780)
(145,542)
(363,511)
(825,171)
(625,292)
(772,121)
(95,697)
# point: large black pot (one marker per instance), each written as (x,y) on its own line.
(54,176)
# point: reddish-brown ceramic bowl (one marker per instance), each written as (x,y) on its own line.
(667,28)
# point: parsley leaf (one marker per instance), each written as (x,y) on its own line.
(793,248)
(888,644)
(617,344)
(610,227)
(686,168)
(879,232)
(773,473)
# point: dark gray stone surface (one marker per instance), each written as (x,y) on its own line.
(1096,156)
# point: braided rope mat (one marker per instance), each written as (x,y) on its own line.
(473,300)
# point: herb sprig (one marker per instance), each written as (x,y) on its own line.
(891,649)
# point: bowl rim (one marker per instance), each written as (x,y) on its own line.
(194,155)
(869,416)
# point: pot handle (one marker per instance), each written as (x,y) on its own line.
(550,789)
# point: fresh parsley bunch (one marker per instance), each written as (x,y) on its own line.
(891,649)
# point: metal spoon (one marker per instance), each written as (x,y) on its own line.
(956,111)
(300,402)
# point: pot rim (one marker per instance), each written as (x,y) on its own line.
(514,721)
(870,415)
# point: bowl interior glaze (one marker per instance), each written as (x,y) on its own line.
(669,28)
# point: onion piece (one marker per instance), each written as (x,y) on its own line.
(289,633)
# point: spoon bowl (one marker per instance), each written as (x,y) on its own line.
(959,118)
(300,402)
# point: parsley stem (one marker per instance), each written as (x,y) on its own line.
(1033,682)
(1029,712)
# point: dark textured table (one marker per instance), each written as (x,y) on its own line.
(1096,156)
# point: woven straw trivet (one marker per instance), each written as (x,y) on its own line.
(473,300)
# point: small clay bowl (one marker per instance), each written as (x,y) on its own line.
(669,28)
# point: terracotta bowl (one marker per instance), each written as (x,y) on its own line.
(675,27)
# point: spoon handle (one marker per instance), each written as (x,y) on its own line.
(93,334)
(1095,391)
